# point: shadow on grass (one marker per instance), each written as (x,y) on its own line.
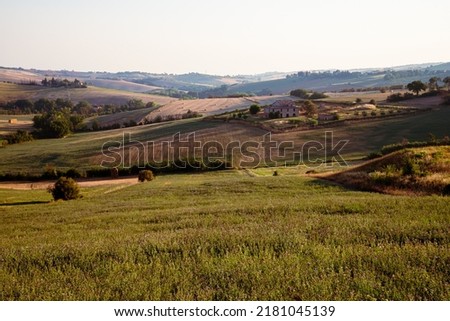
(322,183)
(24,203)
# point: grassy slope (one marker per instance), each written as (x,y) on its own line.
(120,118)
(122,85)
(77,150)
(83,150)
(94,95)
(224,236)
(428,172)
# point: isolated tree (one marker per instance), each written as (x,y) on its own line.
(416,86)
(310,108)
(300,93)
(433,83)
(254,109)
(446,80)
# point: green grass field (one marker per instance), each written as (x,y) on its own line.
(82,150)
(224,236)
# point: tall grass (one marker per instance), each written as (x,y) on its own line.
(224,236)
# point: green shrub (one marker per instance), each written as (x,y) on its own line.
(317,95)
(20,136)
(65,189)
(446,190)
(374,155)
(50,172)
(410,168)
(145,175)
(73,173)
(382,178)
(254,109)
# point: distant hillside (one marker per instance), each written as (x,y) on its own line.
(94,95)
(18,76)
(338,80)
(121,85)
(204,85)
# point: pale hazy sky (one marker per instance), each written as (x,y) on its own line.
(222,37)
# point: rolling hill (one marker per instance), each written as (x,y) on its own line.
(94,95)
(84,150)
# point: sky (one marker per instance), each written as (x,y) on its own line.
(226,37)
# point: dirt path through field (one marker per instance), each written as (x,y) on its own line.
(81,183)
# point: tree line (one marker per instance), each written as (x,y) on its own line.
(63,83)
(26,106)
(417,86)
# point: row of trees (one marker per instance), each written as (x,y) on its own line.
(43,105)
(433,85)
(63,83)
(418,86)
(307,94)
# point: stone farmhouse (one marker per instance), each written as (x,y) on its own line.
(284,108)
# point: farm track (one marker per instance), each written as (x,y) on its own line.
(82,183)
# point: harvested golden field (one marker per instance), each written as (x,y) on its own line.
(18,122)
(365,96)
(94,95)
(18,76)
(203,106)
(214,106)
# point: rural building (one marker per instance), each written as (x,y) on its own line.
(326,117)
(285,108)
(12,121)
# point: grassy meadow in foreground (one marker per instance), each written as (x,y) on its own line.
(234,235)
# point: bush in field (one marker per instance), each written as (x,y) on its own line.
(19,137)
(317,95)
(65,189)
(145,175)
